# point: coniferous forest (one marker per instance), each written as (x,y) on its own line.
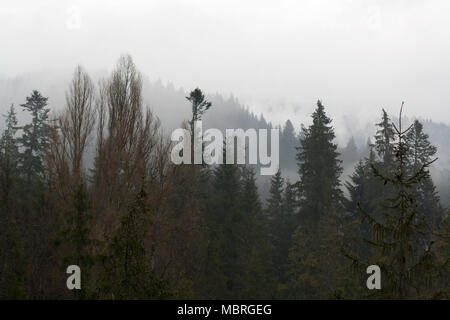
(93,185)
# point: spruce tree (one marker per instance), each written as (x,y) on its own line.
(285,226)
(12,256)
(275,200)
(199,105)
(401,237)
(319,169)
(288,143)
(314,257)
(384,142)
(9,157)
(444,257)
(34,140)
(224,219)
(75,239)
(419,152)
(127,272)
(350,153)
(364,190)
(281,206)
(259,280)
(274,218)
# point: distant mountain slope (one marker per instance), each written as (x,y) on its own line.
(170,105)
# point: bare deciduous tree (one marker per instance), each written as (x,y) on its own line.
(77,123)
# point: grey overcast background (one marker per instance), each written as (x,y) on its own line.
(277,57)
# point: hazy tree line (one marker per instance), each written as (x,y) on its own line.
(141,227)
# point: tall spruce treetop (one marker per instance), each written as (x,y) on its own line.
(319,169)
(288,143)
(275,200)
(420,151)
(384,139)
(8,142)
(35,134)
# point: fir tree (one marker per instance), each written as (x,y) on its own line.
(419,152)
(35,135)
(9,157)
(224,219)
(127,270)
(350,153)
(401,238)
(280,212)
(12,256)
(314,257)
(364,190)
(285,226)
(75,239)
(275,200)
(288,143)
(319,169)
(384,141)
(260,280)
(13,272)
(199,106)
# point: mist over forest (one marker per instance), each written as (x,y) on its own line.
(100,201)
(169,104)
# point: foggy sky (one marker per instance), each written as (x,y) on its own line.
(278,57)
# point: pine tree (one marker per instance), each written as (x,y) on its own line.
(288,143)
(224,219)
(275,200)
(13,272)
(382,153)
(12,256)
(274,218)
(401,238)
(419,152)
(75,239)
(350,153)
(444,258)
(319,169)
(259,280)
(364,191)
(281,206)
(35,135)
(314,257)
(384,141)
(285,226)
(9,157)
(199,105)
(127,270)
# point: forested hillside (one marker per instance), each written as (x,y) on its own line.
(169,104)
(86,179)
